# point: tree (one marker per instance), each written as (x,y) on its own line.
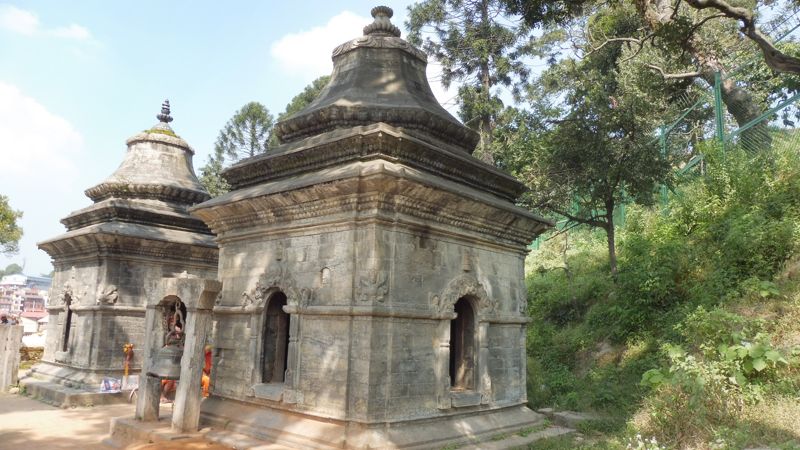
(211,173)
(11,269)
(682,41)
(478,45)
(664,12)
(10,231)
(301,100)
(588,146)
(304,98)
(247,133)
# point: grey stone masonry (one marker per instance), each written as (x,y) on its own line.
(372,269)
(116,251)
(10,343)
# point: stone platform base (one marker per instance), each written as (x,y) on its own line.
(301,431)
(65,397)
(86,379)
(68,387)
(127,431)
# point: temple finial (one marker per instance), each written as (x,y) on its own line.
(164,116)
(382,26)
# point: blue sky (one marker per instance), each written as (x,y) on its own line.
(78,78)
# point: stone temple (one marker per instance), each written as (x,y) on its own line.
(114,254)
(373,290)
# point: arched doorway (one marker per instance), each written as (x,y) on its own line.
(462,346)
(275,340)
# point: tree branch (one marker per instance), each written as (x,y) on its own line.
(775,59)
(673,76)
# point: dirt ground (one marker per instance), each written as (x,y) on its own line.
(27,424)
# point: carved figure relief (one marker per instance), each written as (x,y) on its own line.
(373,287)
(108,295)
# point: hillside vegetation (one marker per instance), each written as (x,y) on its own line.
(696,343)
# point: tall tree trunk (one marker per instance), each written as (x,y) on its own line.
(611,238)
(739,101)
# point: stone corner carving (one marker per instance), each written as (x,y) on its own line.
(72,289)
(108,295)
(373,286)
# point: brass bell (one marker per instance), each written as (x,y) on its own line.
(167,363)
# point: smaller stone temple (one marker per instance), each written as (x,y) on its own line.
(116,252)
(372,270)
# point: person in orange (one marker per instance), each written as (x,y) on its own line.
(206,380)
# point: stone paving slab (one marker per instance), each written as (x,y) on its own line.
(31,425)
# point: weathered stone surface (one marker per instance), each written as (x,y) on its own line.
(115,253)
(368,230)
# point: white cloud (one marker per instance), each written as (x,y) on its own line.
(37,144)
(309,52)
(73,31)
(18,20)
(21,21)
(40,153)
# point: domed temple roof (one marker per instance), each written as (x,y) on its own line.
(158,165)
(377,105)
(378,77)
(149,193)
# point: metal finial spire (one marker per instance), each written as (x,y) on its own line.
(382,26)
(164,116)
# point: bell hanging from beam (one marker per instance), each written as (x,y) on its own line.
(167,361)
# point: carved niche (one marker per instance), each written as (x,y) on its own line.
(274,280)
(461,286)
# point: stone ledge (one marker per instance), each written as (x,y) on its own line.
(65,397)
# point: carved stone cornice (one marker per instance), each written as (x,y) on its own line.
(383,193)
(388,42)
(130,212)
(126,240)
(371,142)
(161,192)
(336,116)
